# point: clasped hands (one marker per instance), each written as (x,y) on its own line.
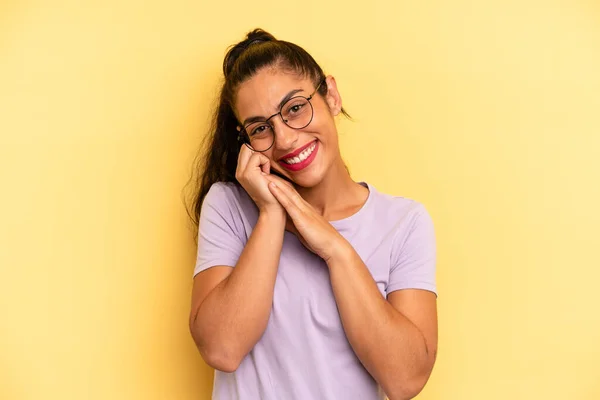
(313,230)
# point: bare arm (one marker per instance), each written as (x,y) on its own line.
(231,306)
(395,339)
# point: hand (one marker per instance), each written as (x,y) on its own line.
(314,231)
(252,170)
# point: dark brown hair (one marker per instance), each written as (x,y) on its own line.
(217,159)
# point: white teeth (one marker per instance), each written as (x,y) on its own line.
(300,157)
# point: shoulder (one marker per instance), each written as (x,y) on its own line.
(229,200)
(406,220)
(224,194)
(401,210)
(411,230)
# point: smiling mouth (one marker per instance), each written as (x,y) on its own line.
(301,160)
(300,157)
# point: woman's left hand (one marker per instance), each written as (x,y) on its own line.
(314,231)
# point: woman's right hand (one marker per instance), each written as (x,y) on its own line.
(251,172)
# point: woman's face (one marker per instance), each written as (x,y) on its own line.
(302,155)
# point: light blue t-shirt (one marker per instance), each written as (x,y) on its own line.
(304,353)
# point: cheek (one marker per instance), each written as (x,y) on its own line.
(327,133)
(324,123)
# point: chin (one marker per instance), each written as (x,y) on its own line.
(307,181)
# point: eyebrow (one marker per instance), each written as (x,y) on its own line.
(281,103)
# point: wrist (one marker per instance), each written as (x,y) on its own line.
(341,253)
(272,215)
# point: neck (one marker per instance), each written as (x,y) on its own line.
(337,196)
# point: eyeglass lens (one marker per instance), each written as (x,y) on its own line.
(296,113)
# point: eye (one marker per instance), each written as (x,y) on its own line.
(259,129)
(296,108)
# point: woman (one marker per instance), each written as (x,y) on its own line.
(307,285)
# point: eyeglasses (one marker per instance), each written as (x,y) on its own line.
(297,113)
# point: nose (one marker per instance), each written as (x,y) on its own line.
(285,137)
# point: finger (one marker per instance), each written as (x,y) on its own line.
(259,160)
(265,164)
(244,157)
(290,193)
(283,198)
(280,180)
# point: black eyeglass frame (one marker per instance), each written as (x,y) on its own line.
(245,138)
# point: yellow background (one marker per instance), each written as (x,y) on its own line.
(488,112)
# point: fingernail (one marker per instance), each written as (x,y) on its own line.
(273,184)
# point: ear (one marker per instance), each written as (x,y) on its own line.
(333,97)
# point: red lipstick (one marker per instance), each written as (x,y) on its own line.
(302,164)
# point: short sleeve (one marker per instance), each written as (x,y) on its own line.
(414,255)
(219,242)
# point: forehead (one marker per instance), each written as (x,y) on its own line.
(261,94)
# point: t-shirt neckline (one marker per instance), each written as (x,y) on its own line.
(344,222)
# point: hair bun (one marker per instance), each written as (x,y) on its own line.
(257,36)
(253,37)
